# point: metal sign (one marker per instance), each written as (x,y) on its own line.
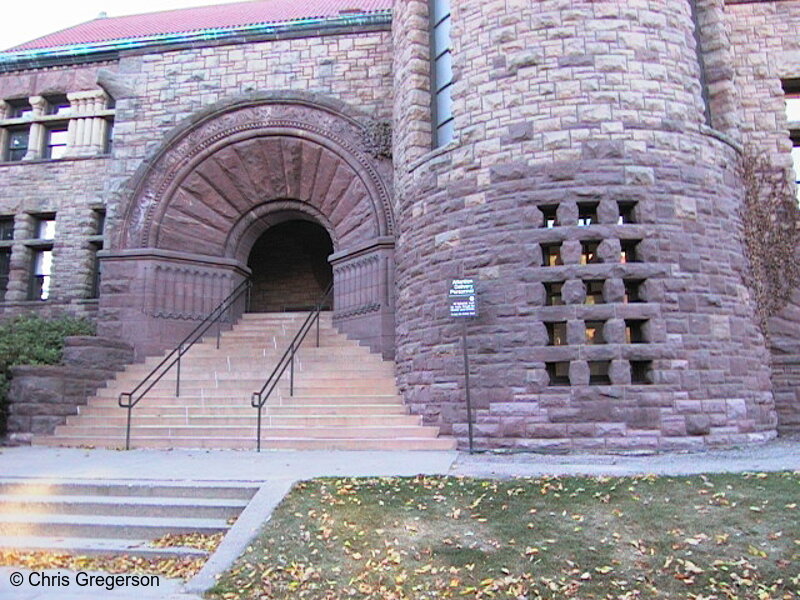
(463,299)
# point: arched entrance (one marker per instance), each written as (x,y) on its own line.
(290,268)
(193,214)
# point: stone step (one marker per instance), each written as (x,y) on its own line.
(248,420)
(154,506)
(249,443)
(98,526)
(96,547)
(223,398)
(319,410)
(234,431)
(30,487)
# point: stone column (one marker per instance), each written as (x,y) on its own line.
(36,135)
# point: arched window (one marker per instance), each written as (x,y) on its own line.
(441,73)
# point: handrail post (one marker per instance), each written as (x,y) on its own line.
(178,378)
(258,435)
(219,326)
(291,372)
(318,318)
(128,426)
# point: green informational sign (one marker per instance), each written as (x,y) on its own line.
(463,299)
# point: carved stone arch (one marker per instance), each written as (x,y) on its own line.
(219,180)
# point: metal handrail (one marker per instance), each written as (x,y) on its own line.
(130,399)
(259,398)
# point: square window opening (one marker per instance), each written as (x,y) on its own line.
(635,331)
(45,227)
(6,229)
(629,252)
(594,291)
(550,214)
(58,105)
(5,269)
(598,372)
(587,214)
(55,142)
(41,274)
(641,372)
(594,333)
(589,253)
(17,144)
(20,109)
(551,255)
(557,333)
(552,292)
(633,291)
(558,372)
(627,213)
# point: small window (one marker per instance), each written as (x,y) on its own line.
(6,229)
(791,90)
(598,372)
(441,73)
(41,272)
(594,333)
(58,105)
(558,373)
(589,253)
(629,252)
(557,333)
(5,268)
(627,213)
(633,290)
(594,292)
(17,145)
(552,292)
(796,161)
(550,214)
(109,141)
(634,331)
(99,222)
(94,292)
(20,109)
(55,144)
(45,228)
(551,254)
(641,372)
(587,214)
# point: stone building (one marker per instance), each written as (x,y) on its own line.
(581,159)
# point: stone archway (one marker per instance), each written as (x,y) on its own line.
(194,210)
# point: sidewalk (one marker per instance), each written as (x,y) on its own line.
(276,471)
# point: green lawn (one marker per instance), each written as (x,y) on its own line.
(701,538)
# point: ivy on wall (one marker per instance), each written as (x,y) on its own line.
(771,221)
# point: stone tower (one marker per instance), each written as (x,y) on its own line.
(591,186)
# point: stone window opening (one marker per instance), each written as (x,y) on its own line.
(587,214)
(633,291)
(627,213)
(6,239)
(441,73)
(56,126)
(629,253)
(594,292)
(791,91)
(589,252)
(635,331)
(551,254)
(594,333)
(558,372)
(550,216)
(552,292)
(557,333)
(641,372)
(95,245)
(41,248)
(599,372)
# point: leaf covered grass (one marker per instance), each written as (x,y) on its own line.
(720,537)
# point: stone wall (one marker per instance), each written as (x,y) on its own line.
(760,63)
(592,117)
(42,397)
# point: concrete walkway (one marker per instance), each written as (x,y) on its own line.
(276,471)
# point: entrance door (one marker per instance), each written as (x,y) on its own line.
(290,267)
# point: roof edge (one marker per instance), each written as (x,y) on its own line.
(113,49)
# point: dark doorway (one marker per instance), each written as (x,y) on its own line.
(290,267)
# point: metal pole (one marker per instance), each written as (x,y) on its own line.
(466,382)
(178,380)
(128,429)
(219,326)
(318,318)
(291,374)
(258,434)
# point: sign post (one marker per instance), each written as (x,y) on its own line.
(464,306)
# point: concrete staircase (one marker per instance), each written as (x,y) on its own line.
(345,398)
(96,518)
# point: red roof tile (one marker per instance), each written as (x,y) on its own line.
(255,12)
